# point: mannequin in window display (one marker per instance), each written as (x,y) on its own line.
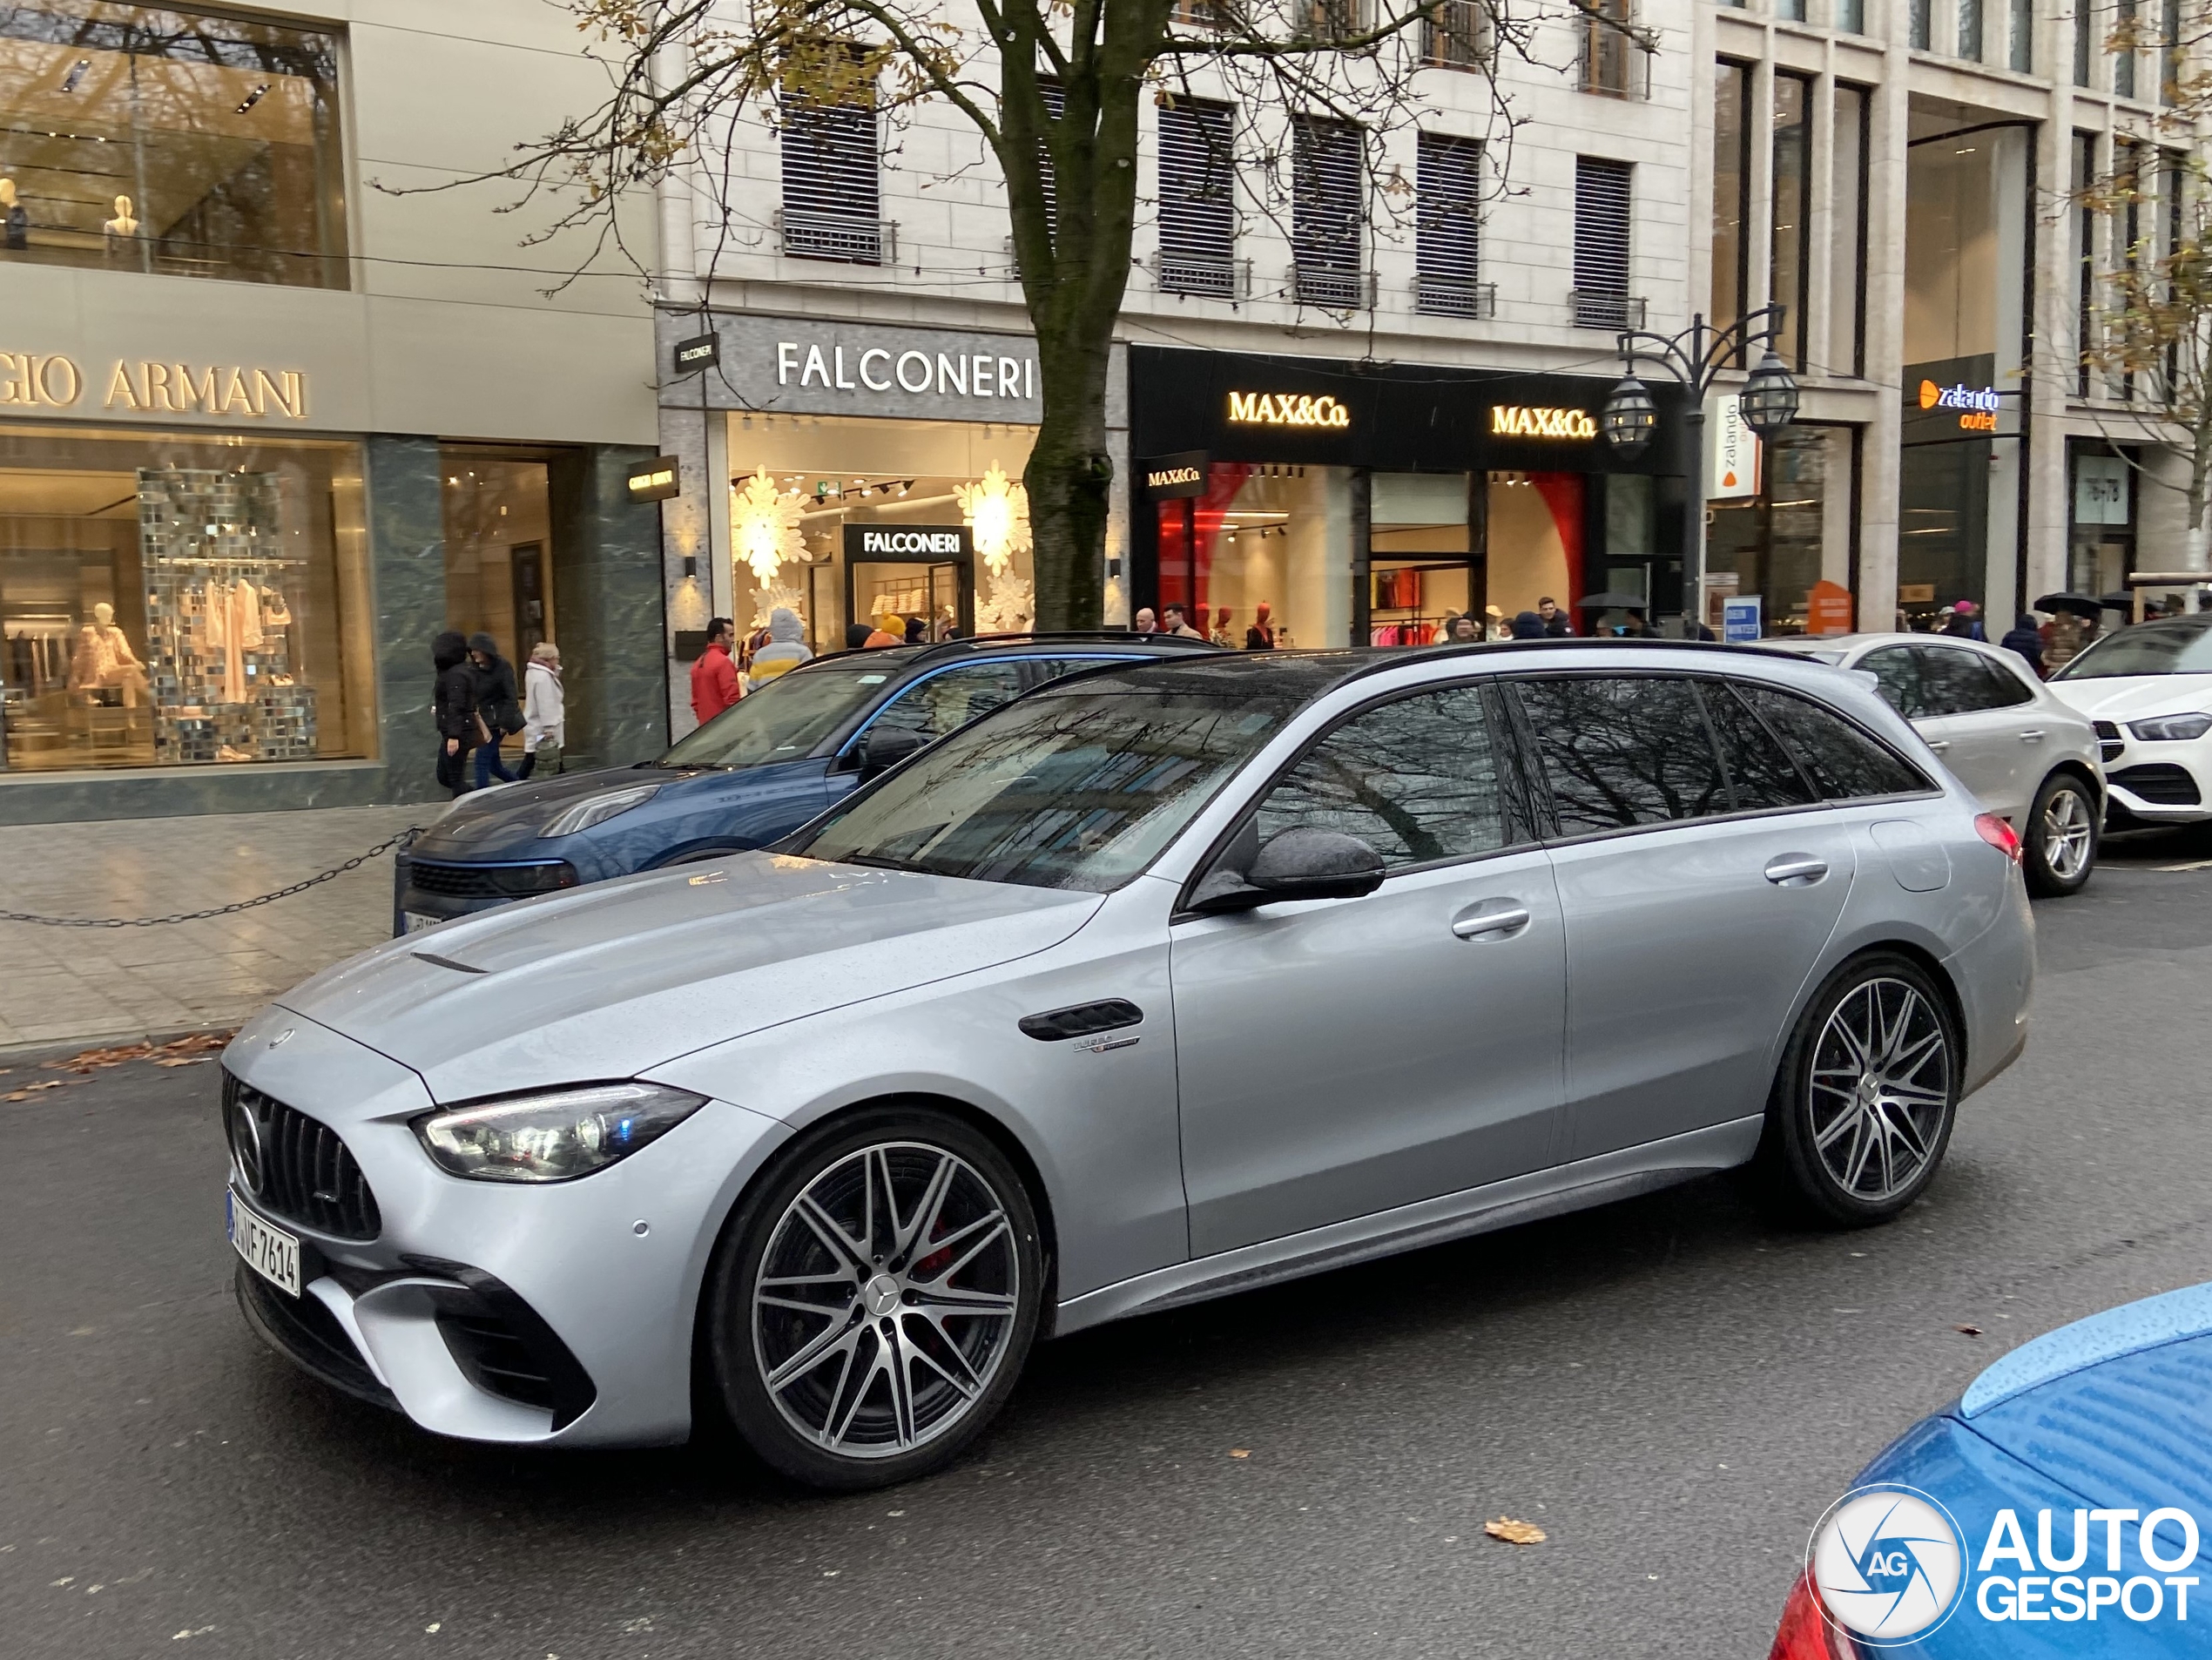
(15,219)
(103,660)
(122,229)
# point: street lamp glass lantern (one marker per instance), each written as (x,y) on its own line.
(1769,396)
(1630,417)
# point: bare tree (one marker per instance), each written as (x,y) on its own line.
(1054,88)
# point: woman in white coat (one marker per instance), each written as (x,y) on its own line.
(544,708)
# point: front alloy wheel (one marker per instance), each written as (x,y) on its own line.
(879,1302)
(2061,839)
(1863,1109)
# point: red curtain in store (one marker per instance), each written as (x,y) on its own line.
(1224,480)
(1562,493)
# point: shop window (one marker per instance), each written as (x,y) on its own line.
(1327,217)
(803,485)
(1415,778)
(498,550)
(1198,206)
(1624,750)
(1267,557)
(1792,230)
(175,600)
(1422,569)
(832,197)
(171,141)
(1448,245)
(1782,543)
(1847,234)
(1603,216)
(1731,187)
(1534,533)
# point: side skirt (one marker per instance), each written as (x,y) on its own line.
(1452,1216)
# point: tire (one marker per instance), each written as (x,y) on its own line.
(1836,1153)
(2062,838)
(814,1314)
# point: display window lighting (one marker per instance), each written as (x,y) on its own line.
(76,74)
(253,98)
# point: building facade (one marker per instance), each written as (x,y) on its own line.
(1895,172)
(1381,403)
(269,422)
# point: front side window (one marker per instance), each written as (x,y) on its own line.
(948,701)
(167,140)
(1623,751)
(1416,778)
(1077,788)
(2183,646)
(1844,761)
(1897,675)
(784,719)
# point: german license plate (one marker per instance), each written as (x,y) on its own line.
(417,922)
(270,1252)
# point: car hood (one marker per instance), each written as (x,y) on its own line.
(2131,697)
(483,824)
(610,980)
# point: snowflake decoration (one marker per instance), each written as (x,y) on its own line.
(764,524)
(997,511)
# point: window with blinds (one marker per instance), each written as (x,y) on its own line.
(832,201)
(1054,97)
(1447,249)
(1197,176)
(1602,216)
(1325,217)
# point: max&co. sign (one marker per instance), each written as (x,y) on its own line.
(1287,409)
(53,381)
(1168,478)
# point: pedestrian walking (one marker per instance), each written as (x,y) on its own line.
(1144,622)
(1557,624)
(1175,621)
(786,647)
(453,706)
(499,706)
(1463,630)
(1964,623)
(2026,643)
(714,677)
(1527,625)
(544,711)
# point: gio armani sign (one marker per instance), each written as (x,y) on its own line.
(53,381)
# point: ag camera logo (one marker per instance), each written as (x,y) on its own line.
(1889,1564)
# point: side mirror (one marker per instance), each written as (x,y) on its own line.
(1294,864)
(884,747)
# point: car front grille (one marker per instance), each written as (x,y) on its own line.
(2109,742)
(490,881)
(2160,783)
(296,1169)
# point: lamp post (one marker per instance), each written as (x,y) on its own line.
(1694,359)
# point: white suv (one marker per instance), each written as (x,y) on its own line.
(2031,758)
(2148,690)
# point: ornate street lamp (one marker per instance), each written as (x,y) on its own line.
(1695,358)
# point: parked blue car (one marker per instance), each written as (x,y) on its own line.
(2061,1507)
(752,774)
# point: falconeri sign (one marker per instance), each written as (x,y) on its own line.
(1528,420)
(1285,409)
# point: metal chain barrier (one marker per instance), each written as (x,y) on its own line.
(354,863)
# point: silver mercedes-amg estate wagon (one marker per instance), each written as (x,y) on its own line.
(1160,983)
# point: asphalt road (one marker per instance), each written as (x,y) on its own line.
(1673,1390)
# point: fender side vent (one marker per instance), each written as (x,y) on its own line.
(1084,1020)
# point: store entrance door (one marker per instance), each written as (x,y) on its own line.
(940,592)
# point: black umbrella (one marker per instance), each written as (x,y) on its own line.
(2079,605)
(2120,599)
(1606,600)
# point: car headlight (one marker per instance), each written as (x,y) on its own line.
(597,809)
(554,1137)
(2171,729)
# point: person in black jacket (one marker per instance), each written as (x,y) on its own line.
(498,705)
(453,706)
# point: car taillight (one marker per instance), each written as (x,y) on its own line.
(1805,1633)
(1998,834)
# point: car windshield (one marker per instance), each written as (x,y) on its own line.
(1079,788)
(2183,646)
(784,719)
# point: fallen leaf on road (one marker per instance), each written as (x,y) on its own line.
(1968,1331)
(182,1060)
(1240,1452)
(1516,1533)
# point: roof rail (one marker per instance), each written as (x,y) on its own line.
(1100,636)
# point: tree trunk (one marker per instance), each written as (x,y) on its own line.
(1070,480)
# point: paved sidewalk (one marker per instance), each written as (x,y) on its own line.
(61,985)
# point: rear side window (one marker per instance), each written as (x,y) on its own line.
(1416,778)
(1760,768)
(1623,751)
(1955,682)
(1844,762)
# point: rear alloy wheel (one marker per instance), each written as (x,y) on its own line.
(2062,838)
(1863,1108)
(875,1299)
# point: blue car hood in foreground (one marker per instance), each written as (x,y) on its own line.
(2112,1413)
(610,980)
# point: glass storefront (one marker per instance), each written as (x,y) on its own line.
(1793,536)
(946,516)
(166,139)
(175,599)
(498,542)
(1272,550)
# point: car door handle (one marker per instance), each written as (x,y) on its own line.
(2031,738)
(1795,867)
(1491,925)
(1939,744)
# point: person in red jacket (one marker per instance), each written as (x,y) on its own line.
(714,677)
